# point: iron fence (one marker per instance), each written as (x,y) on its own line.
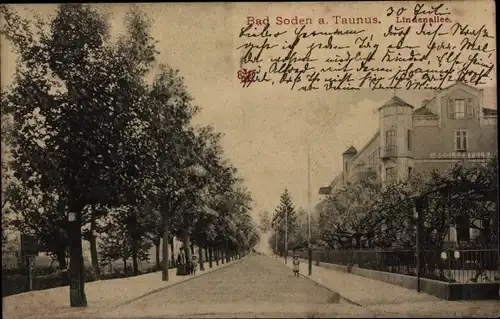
(464,266)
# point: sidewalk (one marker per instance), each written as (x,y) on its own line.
(100,294)
(360,290)
(386,300)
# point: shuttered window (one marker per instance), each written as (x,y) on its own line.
(470,108)
(460,108)
(451,109)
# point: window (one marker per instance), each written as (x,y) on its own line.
(390,175)
(470,108)
(372,160)
(409,140)
(409,171)
(390,138)
(460,108)
(461,140)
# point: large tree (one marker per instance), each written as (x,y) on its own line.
(91,134)
(284,219)
(77,102)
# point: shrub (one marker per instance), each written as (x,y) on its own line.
(90,274)
(150,270)
(22,271)
(113,275)
(15,284)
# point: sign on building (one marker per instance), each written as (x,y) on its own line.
(29,245)
(459,155)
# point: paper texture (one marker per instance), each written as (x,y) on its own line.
(309,97)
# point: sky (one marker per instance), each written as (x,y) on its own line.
(266,129)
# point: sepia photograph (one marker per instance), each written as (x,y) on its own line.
(249,160)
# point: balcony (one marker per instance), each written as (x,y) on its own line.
(389,151)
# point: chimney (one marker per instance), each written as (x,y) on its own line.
(425,102)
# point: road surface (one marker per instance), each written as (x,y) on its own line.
(258,286)
(263,287)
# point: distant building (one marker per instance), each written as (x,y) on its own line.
(453,126)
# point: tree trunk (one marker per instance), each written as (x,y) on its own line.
(164,274)
(210,257)
(205,254)
(221,251)
(191,245)
(227,252)
(358,241)
(135,267)
(200,258)
(172,253)
(93,248)
(187,244)
(157,254)
(125,271)
(76,266)
(216,253)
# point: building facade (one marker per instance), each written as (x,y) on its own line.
(453,126)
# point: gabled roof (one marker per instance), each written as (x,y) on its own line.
(489,112)
(396,101)
(351,150)
(423,111)
(459,83)
(377,133)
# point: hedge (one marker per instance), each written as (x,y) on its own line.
(15,281)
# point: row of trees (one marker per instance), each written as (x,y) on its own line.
(102,145)
(383,216)
(377,215)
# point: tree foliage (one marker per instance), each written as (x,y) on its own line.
(464,196)
(285,218)
(92,136)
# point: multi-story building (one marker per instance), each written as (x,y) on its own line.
(453,126)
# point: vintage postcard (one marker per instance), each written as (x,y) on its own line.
(250,160)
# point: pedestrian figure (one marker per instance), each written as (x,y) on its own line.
(181,263)
(181,256)
(296,264)
(194,264)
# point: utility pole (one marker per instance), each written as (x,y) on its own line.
(286,233)
(309,248)
(418,214)
(276,232)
